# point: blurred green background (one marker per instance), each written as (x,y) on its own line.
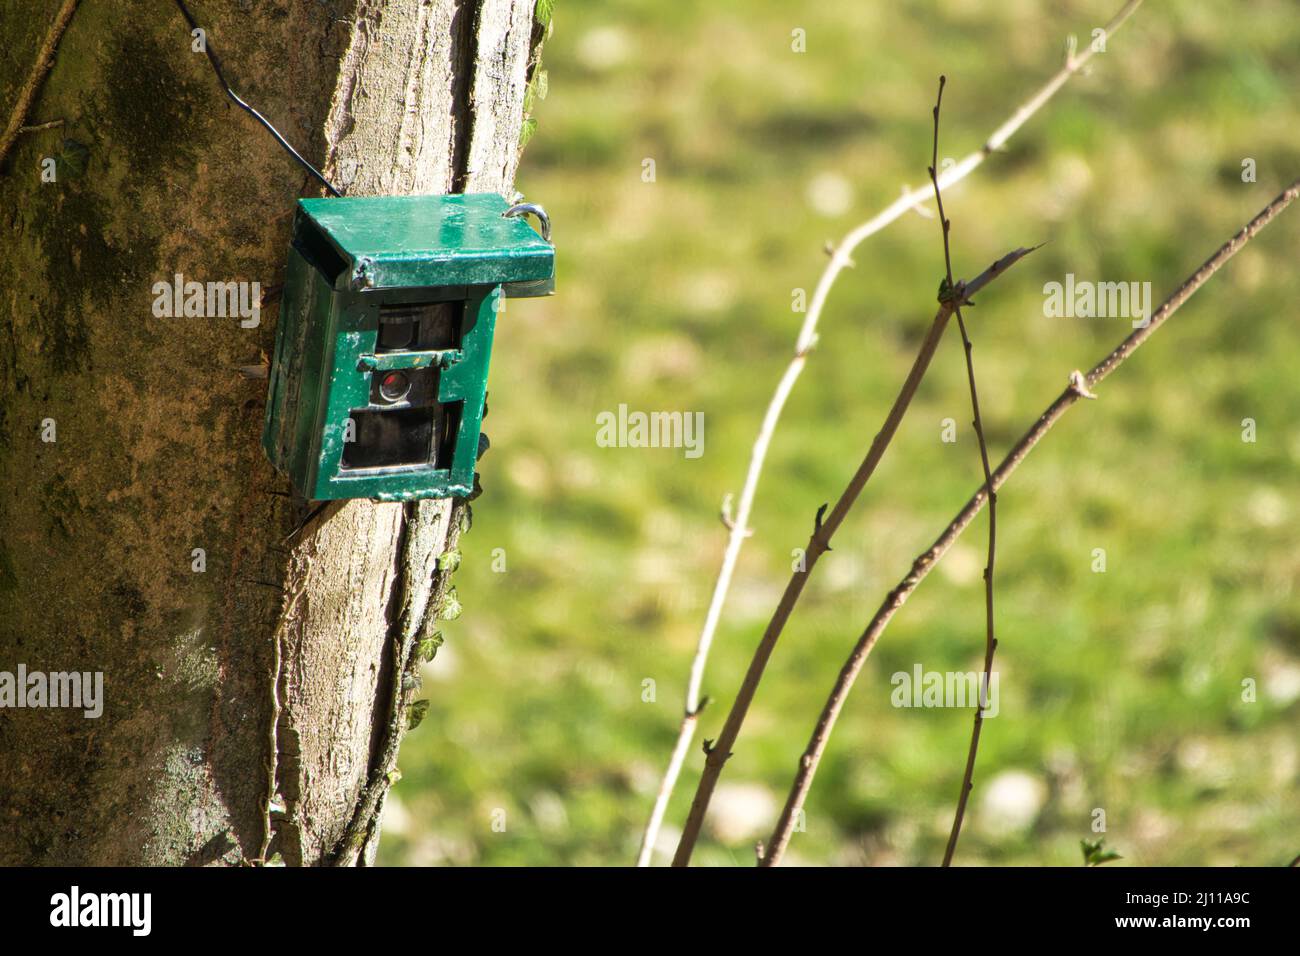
(1119,690)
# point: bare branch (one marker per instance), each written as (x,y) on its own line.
(840,259)
(40,69)
(1080,386)
(990,642)
(52,124)
(818,544)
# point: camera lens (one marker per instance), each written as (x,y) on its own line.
(394,386)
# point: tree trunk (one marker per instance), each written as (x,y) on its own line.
(156,450)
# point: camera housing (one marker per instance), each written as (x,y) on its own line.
(385,337)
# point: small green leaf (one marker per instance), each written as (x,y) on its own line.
(545,10)
(1095,852)
(526,131)
(427,649)
(450,606)
(449,560)
(415,716)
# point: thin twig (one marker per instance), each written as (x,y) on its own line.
(840,259)
(990,642)
(824,528)
(1079,387)
(52,124)
(40,69)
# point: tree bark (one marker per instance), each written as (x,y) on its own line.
(157,449)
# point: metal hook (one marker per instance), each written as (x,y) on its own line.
(519,209)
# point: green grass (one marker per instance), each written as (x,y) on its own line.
(1119,690)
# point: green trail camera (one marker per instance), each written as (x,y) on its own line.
(385,333)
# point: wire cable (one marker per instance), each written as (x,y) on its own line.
(221,76)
